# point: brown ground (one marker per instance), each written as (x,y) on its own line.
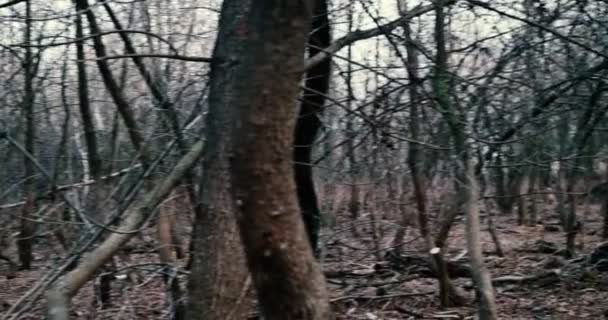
(365,285)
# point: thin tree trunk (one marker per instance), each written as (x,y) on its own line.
(504,202)
(354,201)
(59,231)
(481,277)
(88,125)
(492,229)
(533,212)
(308,123)
(112,87)
(164,227)
(604,207)
(95,194)
(587,122)
(466,181)
(448,294)
(522,206)
(24,242)
(169,115)
(289,283)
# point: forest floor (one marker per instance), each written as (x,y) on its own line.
(369,284)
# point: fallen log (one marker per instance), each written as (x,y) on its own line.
(423,266)
(546,276)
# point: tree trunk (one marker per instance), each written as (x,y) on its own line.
(26,232)
(166,247)
(587,122)
(447,292)
(465,173)
(481,277)
(533,211)
(522,206)
(219,284)
(112,87)
(504,203)
(354,201)
(289,282)
(88,125)
(604,207)
(308,123)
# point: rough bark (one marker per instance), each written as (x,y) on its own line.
(289,282)
(218,286)
(309,123)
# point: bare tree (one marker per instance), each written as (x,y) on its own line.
(288,281)
(24,243)
(465,178)
(448,294)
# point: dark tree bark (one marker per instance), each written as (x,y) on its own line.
(83,102)
(112,87)
(219,281)
(162,99)
(587,123)
(289,282)
(26,232)
(124,109)
(308,123)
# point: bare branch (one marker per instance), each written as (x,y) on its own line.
(10,3)
(536,25)
(154,55)
(366,34)
(60,294)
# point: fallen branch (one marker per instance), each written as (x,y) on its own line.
(551,274)
(409,312)
(382,297)
(424,266)
(61,293)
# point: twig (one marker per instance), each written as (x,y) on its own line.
(388,296)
